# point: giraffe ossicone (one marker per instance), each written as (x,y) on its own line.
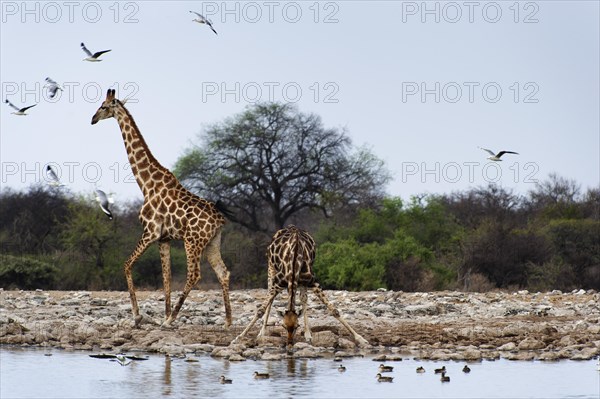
(169,212)
(290,258)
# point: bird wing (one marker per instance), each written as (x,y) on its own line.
(101,197)
(88,52)
(506,152)
(53,89)
(12,105)
(211,27)
(99,53)
(26,108)
(199,15)
(52,82)
(488,151)
(104,202)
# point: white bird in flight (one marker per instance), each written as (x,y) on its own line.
(52,86)
(104,201)
(203,20)
(92,57)
(496,157)
(122,360)
(19,111)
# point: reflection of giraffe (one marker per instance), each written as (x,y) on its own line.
(290,257)
(169,212)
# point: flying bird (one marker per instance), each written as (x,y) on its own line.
(20,111)
(92,57)
(53,177)
(203,20)
(104,201)
(52,86)
(496,157)
(122,360)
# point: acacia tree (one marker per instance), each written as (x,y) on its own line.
(272,161)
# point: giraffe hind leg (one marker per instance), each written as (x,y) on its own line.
(213,253)
(335,313)
(165,260)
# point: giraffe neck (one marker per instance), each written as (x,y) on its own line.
(293,281)
(144,166)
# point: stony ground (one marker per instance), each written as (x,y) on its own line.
(440,325)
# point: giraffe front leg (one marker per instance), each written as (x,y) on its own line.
(335,313)
(137,252)
(193,276)
(272,294)
(304,300)
(259,313)
(165,259)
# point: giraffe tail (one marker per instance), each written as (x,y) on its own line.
(297,259)
(221,207)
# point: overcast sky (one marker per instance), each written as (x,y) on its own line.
(421,84)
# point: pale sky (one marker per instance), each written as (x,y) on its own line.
(421,84)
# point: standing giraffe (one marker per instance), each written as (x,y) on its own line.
(290,259)
(170,212)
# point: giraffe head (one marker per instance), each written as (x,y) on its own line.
(108,107)
(290,322)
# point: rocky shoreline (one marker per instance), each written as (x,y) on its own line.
(437,326)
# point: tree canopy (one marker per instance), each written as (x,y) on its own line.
(272,161)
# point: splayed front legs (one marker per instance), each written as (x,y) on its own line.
(264,309)
(334,312)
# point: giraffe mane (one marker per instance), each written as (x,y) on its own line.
(142,140)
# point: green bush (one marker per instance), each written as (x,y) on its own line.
(576,242)
(25,273)
(349,265)
(550,275)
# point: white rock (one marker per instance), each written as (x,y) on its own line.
(509,346)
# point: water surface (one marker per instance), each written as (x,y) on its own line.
(27,373)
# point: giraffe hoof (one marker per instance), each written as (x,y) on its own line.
(137,320)
(167,324)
